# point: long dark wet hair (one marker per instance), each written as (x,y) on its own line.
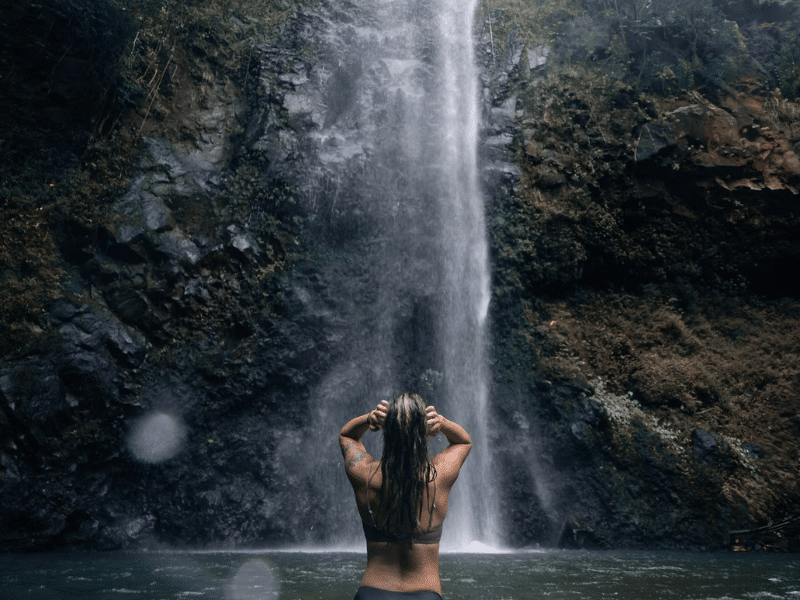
(405,467)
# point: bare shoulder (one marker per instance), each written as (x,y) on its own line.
(449,461)
(358,463)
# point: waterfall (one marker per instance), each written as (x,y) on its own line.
(466,274)
(404,245)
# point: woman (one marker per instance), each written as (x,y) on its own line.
(402,498)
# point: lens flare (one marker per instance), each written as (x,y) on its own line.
(253,581)
(156,437)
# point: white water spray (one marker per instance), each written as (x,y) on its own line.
(413,301)
(473,512)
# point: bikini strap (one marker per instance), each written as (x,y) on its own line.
(369,506)
(433,504)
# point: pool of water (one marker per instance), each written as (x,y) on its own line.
(335,575)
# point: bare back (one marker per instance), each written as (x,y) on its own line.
(406,567)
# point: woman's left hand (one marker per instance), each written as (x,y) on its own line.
(377,416)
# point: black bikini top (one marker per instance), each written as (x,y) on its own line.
(429,536)
(432,535)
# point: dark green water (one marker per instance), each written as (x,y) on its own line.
(335,575)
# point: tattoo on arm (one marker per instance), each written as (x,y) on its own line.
(345,447)
(352,453)
(356,457)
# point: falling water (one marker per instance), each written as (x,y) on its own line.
(407,115)
(466,272)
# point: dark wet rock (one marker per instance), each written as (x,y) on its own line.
(651,139)
(575,535)
(706,449)
(704,446)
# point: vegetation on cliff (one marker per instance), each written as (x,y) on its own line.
(654,260)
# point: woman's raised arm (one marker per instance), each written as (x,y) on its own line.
(449,461)
(356,457)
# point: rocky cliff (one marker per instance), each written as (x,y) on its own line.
(649,258)
(177,233)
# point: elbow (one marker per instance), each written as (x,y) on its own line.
(343,444)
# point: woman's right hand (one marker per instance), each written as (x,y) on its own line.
(378,416)
(433,421)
